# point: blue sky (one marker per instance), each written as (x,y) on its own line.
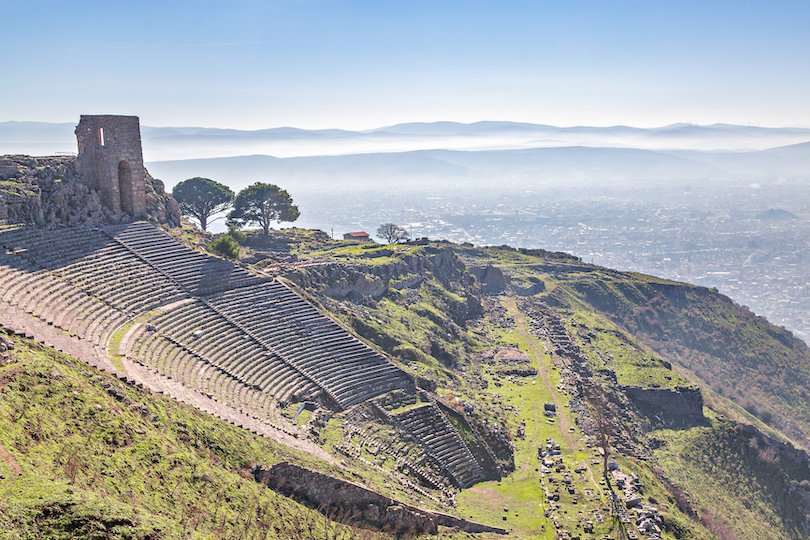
(362,64)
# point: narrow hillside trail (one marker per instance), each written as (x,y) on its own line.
(287,436)
(537,351)
(9,460)
(30,326)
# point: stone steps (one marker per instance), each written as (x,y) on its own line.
(428,424)
(286,324)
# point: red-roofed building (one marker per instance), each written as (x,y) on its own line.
(357,235)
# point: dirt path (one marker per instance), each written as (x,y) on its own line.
(37,329)
(172,388)
(539,351)
(16,470)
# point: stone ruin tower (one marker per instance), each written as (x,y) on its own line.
(110,160)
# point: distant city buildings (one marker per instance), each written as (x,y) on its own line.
(713,236)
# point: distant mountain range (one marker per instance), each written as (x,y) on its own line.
(442,154)
(170,143)
(516,169)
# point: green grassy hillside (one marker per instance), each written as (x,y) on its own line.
(494,334)
(631,330)
(83,455)
(762,367)
(740,482)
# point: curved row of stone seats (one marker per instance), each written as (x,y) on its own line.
(172,360)
(349,370)
(90,260)
(211,336)
(217,342)
(48,246)
(52,300)
(429,426)
(121,280)
(195,271)
(406,450)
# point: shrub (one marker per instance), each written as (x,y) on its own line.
(226,246)
(766,416)
(236,234)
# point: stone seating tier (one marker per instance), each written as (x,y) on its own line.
(209,324)
(286,324)
(429,425)
(193,270)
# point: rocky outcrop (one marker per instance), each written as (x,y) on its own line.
(341,282)
(493,281)
(160,205)
(46,191)
(361,282)
(491,278)
(783,464)
(678,403)
(355,505)
(785,450)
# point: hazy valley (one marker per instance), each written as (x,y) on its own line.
(685,202)
(476,387)
(691,215)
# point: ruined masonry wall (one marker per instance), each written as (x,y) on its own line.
(355,505)
(680,402)
(110,160)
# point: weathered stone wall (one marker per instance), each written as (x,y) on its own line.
(111,161)
(681,402)
(355,505)
(106,183)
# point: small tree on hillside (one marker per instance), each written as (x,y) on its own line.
(392,233)
(201,198)
(263,204)
(226,246)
